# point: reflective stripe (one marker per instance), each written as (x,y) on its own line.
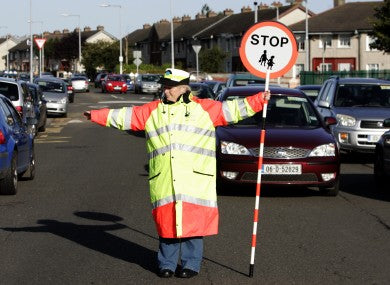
(226,112)
(185,198)
(179,218)
(120,118)
(182,147)
(242,109)
(181,127)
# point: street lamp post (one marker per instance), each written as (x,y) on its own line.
(40,50)
(307,68)
(276,5)
(78,16)
(255,11)
(31,44)
(172,40)
(120,33)
(197,48)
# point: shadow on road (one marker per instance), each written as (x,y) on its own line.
(98,238)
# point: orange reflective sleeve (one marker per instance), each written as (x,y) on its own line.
(100,116)
(256,101)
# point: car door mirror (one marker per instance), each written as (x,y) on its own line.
(323,104)
(330,121)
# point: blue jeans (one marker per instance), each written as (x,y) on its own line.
(191,253)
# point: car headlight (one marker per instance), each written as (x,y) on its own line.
(109,84)
(233,148)
(345,120)
(324,150)
(63,100)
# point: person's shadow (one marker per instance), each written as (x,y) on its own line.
(97,237)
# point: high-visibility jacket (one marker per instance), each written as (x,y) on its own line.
(180,141)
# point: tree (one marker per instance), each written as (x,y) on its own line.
(211,59)
(102,55)
(381,31)
(205,9)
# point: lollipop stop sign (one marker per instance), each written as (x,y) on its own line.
(268,47)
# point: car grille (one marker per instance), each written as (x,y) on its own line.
(282,152)
(305,177)
(371,124)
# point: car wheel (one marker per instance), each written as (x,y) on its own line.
(330,191)
(379,173)
(31,168)
(9,184)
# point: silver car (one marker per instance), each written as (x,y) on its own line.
(55,93)
(147,83)
(360,106)
(80,84)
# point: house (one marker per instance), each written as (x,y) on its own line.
(5,45)
(339,39)
(20,53)
(224,30)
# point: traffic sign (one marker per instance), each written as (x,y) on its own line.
(40,42)
(137,54)
(137,61)
(268,47)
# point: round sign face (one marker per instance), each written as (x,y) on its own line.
(268,46)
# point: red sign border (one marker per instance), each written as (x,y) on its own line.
(44,41)
(292,60)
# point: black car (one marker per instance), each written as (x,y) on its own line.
(99,78)
(202,90)
(382,158)
(39,104)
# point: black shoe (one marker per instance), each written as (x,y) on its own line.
(165,273)
(187,273)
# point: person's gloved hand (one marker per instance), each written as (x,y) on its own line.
(87,114)
(267,95)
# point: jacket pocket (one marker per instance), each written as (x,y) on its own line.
(205,167)
(154,168)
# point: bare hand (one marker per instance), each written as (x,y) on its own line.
(87,114)
(267,95)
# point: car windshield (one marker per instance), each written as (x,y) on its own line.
(244,82)
(152,78)
(9,90)
(285,111)
(201,92)
(115,78)
(78,78)
(48,86)
(363,95)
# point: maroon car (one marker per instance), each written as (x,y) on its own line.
(114,83)
(299,148)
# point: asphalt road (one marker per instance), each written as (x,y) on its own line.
(86,218)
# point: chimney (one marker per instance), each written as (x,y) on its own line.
(200,16)
(57,32)
(65,31)
(211,14)
(227,12)
(246,9)
(164,21)
(100,28)
(338,2)
(146,26)
(176,20)
(76,30)
(263,6)
(46,33)
(87,29)
(185,18)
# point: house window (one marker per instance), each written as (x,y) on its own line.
(299,68)
(325,67)
(301,42)
(344,41)
(325,42)
(370,40)
(372,66)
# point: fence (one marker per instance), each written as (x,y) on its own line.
(314,77)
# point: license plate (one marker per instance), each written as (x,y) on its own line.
(117,88)
(282,169)
(373,138)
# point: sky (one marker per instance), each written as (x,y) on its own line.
(46,14)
